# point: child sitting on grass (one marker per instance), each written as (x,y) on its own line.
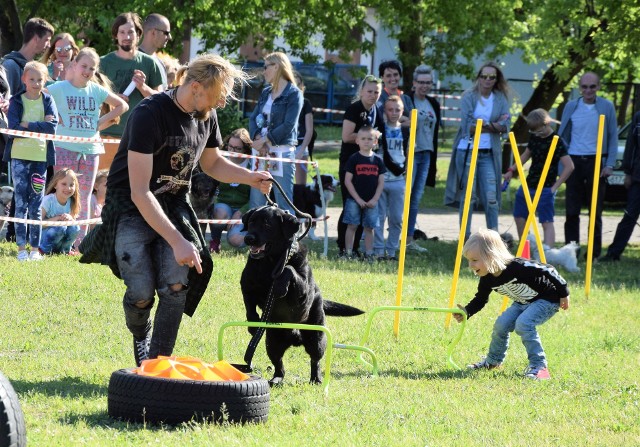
(537,290)
(61,203)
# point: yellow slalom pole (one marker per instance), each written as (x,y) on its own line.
(594,203)
(532,206)
(465,218)
(405,218)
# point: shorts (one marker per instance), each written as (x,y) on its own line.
(545,209)
(354,215)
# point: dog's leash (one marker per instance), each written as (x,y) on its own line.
(266,312)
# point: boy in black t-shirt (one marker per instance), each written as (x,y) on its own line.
(539,123)
(364,180)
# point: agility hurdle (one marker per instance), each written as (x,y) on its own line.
(306,327)
(448,310)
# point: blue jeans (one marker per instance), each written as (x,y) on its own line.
(484,184)
(29,179)
(523,318)
(354,215)
(287,180)
(391,205)
(421,163)
(56,240)
(147,264)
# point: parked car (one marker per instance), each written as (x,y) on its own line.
(616,192)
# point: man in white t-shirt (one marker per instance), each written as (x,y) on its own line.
(579,130)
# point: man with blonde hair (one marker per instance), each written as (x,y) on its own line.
(150,233)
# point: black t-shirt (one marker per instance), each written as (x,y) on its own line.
(524,281)
(366,171)
(356,113)
(539,148)
(157,126)
(302,125)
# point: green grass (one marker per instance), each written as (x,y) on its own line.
(64,333)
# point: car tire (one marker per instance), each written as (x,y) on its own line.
(13,431)
(155,400)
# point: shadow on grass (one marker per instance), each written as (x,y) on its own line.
(445,374)
(65,387)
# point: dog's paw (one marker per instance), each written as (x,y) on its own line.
(281,283)
(276,382)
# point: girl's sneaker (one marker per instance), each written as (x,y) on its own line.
(537,373)
(483,364)
(23,256)
(35,256)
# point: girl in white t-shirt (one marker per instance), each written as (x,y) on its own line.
(61,203)
(80,98)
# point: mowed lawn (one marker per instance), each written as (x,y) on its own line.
(63,334)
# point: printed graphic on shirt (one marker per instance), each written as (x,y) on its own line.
(181,161)
(517,291)
(81,113)
(367,169)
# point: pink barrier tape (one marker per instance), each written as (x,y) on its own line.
(66,223)
(48,136)
(237,155)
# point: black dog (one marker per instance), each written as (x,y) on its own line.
(278,266)
(307,197)
(202,195)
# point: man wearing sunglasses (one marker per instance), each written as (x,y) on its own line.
(579,130)
(156,34)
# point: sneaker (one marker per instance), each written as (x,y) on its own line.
(609,258)
(381,258)
(141,349)
(483,364)
(214,246)
(23,256)
(537,373)
(35,256)
(370,258)
(413,246)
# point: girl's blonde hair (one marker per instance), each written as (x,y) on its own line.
(501,84)
(75,198)
(101,175)
(491,248)
(37,66)
(209,70)
(284,69)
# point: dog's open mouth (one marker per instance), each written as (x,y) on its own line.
(257,252)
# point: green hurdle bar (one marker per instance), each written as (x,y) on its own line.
(452,345)
(304,327)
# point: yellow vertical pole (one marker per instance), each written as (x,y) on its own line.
(465,219)
(405,218)
(594,203)
(532,206)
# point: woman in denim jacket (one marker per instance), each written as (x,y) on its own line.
(488,99)
(274,125)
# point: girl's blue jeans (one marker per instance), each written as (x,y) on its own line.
(29,179)
(57,240)
(523,319)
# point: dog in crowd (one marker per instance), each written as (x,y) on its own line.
(202,195)
(6,194)
(307,197)
(565,257)
(419,235)
(278,266)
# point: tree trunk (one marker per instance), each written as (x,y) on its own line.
(10,27)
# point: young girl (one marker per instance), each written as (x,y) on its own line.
(537,291)
(33,111)
(61,203)
(59,55)
(233,198)
(539,123)
(99,194)
(80,98)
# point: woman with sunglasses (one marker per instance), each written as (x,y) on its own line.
(59,55)
(488,99)
(273,125)
(362,111)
